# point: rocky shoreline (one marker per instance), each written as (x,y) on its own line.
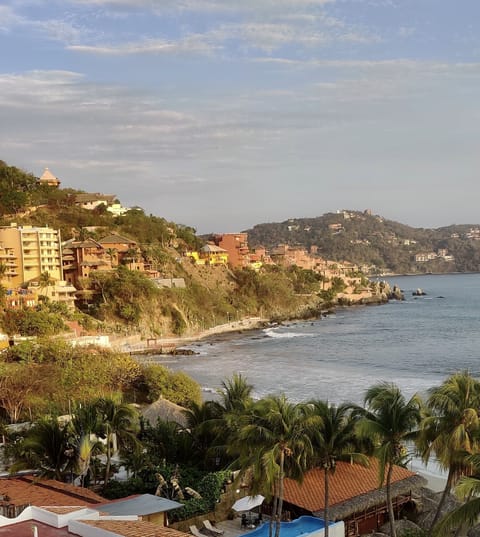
(173,346)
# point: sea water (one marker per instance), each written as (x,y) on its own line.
(415,343)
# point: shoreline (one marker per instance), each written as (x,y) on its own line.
(169,345)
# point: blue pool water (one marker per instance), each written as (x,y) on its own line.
(300,526)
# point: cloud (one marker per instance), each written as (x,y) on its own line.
(192,44)
(8,19)
(207,5)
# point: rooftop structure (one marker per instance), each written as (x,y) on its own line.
(355,496)
(47,178)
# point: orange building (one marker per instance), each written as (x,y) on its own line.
(236,244)
(126,251)
(80,258)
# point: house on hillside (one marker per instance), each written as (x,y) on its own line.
(355,496)
(126,250)
(80,258)
(90,201)
(236,244)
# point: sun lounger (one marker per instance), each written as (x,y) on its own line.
(195,531)
(209,527)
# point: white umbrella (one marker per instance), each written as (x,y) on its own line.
(248,502)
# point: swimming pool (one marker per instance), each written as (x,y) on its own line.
(305,525)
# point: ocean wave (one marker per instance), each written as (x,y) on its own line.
(272,332)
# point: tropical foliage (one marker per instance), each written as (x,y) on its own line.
(450,430)
(267,440)
(390,420)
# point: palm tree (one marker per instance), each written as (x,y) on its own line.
(235,397)
(273,441)
(120,423)
(48,448)
(45,280)
(201,427)
(85,427)
(334,440)
(112,254)
(450,430)
(235,394)
(467,514)
(390,420)
(86,448)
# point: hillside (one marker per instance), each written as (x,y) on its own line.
(128,302)
(376,244)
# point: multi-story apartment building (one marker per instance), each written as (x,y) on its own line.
(236,244)
(80,258)
(28,252)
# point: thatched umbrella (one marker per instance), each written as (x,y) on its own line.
(164,410)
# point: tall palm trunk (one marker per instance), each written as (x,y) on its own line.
(391,515)
(326,500)
(274,511)
(278,514)
(446,492)
(108,462)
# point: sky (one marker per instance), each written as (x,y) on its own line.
(223,114)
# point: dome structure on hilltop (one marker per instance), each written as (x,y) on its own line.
(47,178)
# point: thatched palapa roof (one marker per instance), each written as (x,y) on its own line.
(353,488)
(166,411)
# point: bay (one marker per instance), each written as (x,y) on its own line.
(414,343)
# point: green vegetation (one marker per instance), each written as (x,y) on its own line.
(157,381)
(372,241)
(267,440)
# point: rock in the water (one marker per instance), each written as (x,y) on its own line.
(419,292)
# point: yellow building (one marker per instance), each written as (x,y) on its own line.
(210,254)
(28,252)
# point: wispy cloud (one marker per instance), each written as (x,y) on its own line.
(8,18)
(192,44)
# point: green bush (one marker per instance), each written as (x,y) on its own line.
(157,380)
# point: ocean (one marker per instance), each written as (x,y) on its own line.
(414,343)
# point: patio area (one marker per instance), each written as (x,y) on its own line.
(232,528)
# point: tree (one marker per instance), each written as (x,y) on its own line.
(390,420)
(273,442)
(334,440)
(201,418)
(47,448)
(45,280)
(120,424)
(450,429)
(468,488)
(112,254)
(18,382)
(235,394)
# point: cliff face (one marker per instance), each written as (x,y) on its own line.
(216,296)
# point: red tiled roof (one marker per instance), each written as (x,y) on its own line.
(134,528)
(24,529)
(347,482)
(46,492)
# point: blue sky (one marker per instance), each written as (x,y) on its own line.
(221,114)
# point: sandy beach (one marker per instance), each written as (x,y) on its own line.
(169,344)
